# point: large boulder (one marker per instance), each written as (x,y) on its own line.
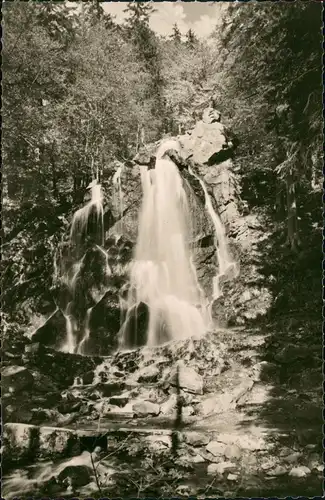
(16,378)
(53,331)
(186,378)
(195,438)
(145,408)
(61,368)
(134,329)
(75,475)
(125,200)
(103,325)
(25,443)
(208,143)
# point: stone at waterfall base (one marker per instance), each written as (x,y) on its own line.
(75,476)
(187,379)
(196,438)
(216,448)
(145,408)
(25,442)
(300,471)
(220,468)
(217,404)
(16,378)
(148,374)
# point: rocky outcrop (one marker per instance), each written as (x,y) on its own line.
(145,408)
(53,331)
(186,378)
(16,378)
(24,442)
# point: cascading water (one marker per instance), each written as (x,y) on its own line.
(163,286)
(94,209)
(224,260)
(87,232)
(162,275)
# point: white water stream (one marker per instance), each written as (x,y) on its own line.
(224,260)
(162,274)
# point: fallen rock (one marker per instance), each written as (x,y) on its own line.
(27,442)
(292,458)
(88,377)
(279,470)
(197,459)
(145,408)
(244,441)
(63,420)
(220,468)
(52,332)
(148,374)
(216,448)
(232,451)
(300,471)
(40,415)
(75,476)
(187,412)
(207,406)
(232,477)
(16,378)
(119,401)
(183,490)
(169,406)
(211,115)
(187,379)
(249,461)
(207,142)
(43,384)
(223,403)
(194,438)
(158,442)
(69,406)
(111,389)
(242,389)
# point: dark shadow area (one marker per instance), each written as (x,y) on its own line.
(178,419)
(292,352)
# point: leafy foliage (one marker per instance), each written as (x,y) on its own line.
(271,74)
(80,92)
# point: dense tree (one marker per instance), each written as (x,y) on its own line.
(148,55)
(80,91)
(272,77)
(191,39)
(176,35)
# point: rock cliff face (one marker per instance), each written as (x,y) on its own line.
(206,151)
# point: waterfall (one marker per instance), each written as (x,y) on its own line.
(162,274)
(92,212)
(224,260)
(87,233)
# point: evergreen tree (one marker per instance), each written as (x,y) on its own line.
(138,13)
(272,75)
(176,36)
(191,39)
(148,53)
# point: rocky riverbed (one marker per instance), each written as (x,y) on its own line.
(188,417)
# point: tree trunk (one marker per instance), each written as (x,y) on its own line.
(54,179)
(293,236)
(278,198)
(142,137)
(137,139)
